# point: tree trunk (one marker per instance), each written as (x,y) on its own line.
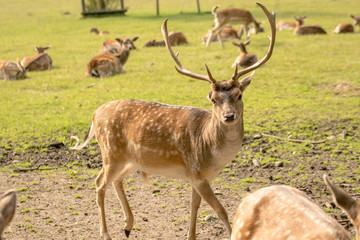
(102,4)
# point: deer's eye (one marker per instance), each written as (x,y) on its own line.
(240,96)
(213,100)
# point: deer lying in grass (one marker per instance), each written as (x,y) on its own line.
(97,32)
(286,25)
(188,143)
(281,212)
(232,16)
(7,209)
(228,33)
(347,27)
(114,46)
(245,59)
(11,70)
(41,61)
(301,29)
(175,38)
(106,65)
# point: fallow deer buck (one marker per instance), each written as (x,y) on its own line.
(7,209)
(281,212)
(12,70)
(301,29)
(188,143)
(347,27)
(106,65)
(41,61)
(175,38)
(286,25)
(228,33)
(245,59)
(97,32)
(114,46)
(235,16)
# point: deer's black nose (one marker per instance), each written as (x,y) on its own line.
(229,117)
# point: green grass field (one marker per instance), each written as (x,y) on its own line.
(293,92)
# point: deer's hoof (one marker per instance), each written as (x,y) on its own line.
(127,233)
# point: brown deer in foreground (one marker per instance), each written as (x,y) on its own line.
(228,33)
(175,39)
(188,143)
(41,61)
(11,70)
(245,59)
(106,65)
(301,29)
(232,15)
(286,25)
(114,46)
(347,27)
(97,32)
(281,212)
(7,209)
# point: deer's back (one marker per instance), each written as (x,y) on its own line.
(105,64)
(38,62)
(307,29)
(344,28)
(282,212)
(234,15)
(11,69)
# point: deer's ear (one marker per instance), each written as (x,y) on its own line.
(209,96)
(245,82)
(8,206)
(135,38)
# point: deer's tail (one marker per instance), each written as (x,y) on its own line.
(89,136)
(213,10)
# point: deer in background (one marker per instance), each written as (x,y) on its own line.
(281,212)
(188,143)
(41,61)
(106,65)
(7,209)
(232,15)
(347,27)
(301,29)
(175,39)
(286,25)
(97,32)
(11,70)
(245,59)
(114,46)
(228,33)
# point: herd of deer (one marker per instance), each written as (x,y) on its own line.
(195,144)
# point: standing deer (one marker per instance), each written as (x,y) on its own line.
(97,32)
(188,143)
(114,46)
(11,70)
(7,209)
(175,38)
(286,25)
(41,61)
(347,27)
(232,15)
(227,34)
(245,59)
(106,65)
(301,29)
(281,212)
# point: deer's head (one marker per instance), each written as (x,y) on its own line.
(41,49)
(242,46)
(226,95)
(356,19)
(300,20)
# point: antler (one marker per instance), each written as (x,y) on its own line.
(183,70)
(271,18)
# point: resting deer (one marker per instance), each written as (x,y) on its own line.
(347,27)
(281,212)
(245,59)
(286,25)
(188,143)
(11,70)
(114,46)
(175,38)
(41,61)
(232,15)
(7,209)
(97,32)
(106,65)
(301,29)
(227,34)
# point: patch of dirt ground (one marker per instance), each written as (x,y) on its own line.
(60,203)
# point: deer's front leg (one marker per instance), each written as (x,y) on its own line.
(195,203)
(205,191)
